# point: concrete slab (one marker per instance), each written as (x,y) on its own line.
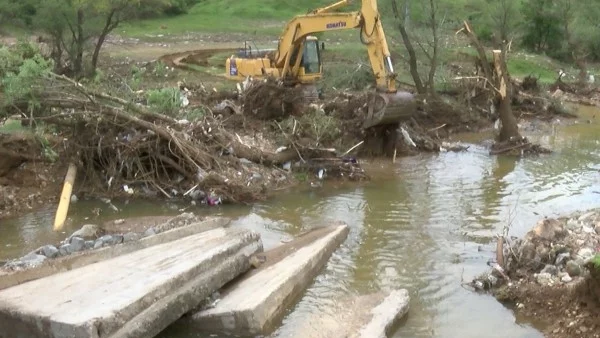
(255,303)
(133,295)
(77,260)
(365,316)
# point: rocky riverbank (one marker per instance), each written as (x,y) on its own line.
(552,275)
(94,237)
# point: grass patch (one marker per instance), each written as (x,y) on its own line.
(521,65)
(11,126)
(261,17)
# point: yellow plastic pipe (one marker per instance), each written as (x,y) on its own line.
(65,198)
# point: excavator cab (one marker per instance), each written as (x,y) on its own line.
(310,68)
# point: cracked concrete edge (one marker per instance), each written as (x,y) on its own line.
(78,260)
(272,309)
(149,317)
(385,315)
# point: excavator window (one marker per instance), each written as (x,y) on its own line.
(311,57)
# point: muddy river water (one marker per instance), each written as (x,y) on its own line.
(426,223)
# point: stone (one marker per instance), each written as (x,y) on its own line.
(89,245)
(88,231)
(550,269)
(586,216)
(50,251)
(548,229)
(585,254)
(566,279)
(116,239)
(573,269)
(106,240)
(65,249)
(561,258)
(133,295)
(31,260)
(543,278)
(77,244)
(588,230)
(149,232)
(131,236)
(98,243)
(573,224)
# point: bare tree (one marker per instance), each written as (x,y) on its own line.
(412,56)
(499,79)
(430,48)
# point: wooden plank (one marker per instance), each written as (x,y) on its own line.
(132,295)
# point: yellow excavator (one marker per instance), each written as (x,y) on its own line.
(297,59)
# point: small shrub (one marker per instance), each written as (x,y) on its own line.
(319,127)
(344,76)
(196,114)
(165,101)
(160,69)
(137,74)
(596,261)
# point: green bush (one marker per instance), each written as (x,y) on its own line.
(596,261)
(165,101)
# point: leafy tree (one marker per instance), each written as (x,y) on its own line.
(77,29)
(543,28)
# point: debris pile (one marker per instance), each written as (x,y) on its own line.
(552,273)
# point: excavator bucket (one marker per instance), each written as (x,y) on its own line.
(389,108)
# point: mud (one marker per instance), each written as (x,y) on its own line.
(183,60)
(28,180)
(562,310)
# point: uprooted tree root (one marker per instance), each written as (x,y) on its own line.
(268,100)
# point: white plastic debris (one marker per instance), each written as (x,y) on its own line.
(184,100)
(127,189)
(287,165)
(247,83)
(407,138)
(280,149)
(320,174)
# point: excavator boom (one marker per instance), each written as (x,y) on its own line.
(297,57)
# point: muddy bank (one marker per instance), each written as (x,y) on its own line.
(552,275)
(29,178)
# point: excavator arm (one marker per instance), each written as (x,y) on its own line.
(367,19)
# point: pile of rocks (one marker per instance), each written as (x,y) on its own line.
(93,237)
(554,252)
(558,249)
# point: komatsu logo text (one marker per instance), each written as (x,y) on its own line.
(339,24)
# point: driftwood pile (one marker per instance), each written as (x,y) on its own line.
(124,148)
